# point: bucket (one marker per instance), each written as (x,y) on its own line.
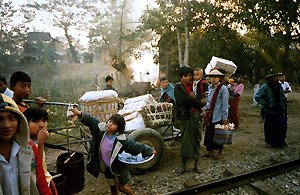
(71,165)
(59,181)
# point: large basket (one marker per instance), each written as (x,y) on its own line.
(159,114)
(101,109)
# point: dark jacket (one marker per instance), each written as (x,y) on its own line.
(184,103)
(95,164)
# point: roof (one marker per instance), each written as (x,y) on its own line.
(39,36)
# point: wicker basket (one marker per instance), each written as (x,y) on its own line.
(101,109)
(158,114)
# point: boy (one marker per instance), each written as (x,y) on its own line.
(109,83)
(16,156)
(20,84)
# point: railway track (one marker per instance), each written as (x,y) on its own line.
(253,178)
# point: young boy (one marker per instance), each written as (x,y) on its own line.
(108,140)
(109,83)
(38,123)
(16,156)
(20,84)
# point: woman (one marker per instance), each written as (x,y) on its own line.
(219,111)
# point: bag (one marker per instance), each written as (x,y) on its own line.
(207,118)
(222,136)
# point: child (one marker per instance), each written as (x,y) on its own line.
(109,83)
(16,156)
(109,140)
(38,122)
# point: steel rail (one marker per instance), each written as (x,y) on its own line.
(240,179)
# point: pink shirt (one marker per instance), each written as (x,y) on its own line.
(238,89)
(106,148)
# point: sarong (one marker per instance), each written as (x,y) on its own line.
(275,128)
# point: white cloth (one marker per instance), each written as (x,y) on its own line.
(9,173)
(286,86)
(9,93)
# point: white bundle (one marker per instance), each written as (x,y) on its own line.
(136,123)
(148,98)
(221,63)
(229,126)
(97,95)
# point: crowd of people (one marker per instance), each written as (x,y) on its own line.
(200,104)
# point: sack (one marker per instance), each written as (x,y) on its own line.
(222,136)
(207,118)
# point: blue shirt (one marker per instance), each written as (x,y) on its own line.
(221,106)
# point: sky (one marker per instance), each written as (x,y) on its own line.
(140,66)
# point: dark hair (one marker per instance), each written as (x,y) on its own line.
(120,121)
(35,114)
(3,79)
(108,78)
(163,79)
(184,71)
(19,76)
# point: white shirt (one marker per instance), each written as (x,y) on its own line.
(9,172)
(9,93)
(286,86)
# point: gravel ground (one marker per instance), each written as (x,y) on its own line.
(248,152)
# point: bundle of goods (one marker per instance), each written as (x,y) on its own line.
(223,134)
(223,64)
(100,104)
(134,113)
(159,114)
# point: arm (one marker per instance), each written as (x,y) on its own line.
(225,98)
(260,95)
(134,148)
(184,99)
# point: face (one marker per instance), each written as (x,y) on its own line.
(198,74)
(36,126)
(187,78)
(274,79)
(164,84)
(282,78)
(112,127)
(8,125)
(2,87)
(22,90)
(215,79)
(109,83)
(208,79)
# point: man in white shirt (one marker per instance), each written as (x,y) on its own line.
(285,85)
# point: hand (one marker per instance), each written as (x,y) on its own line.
(40,101)
(153,151)
(43,136)
(75,112)
(225,122)
(192,95)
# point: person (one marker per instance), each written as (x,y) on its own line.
(109,83)
(219,113)
(38,123)
(234,101)
(274,106)
(108,140)
(200,86)
(16,155)
(166,91)
(187,119)
(4,89)
(285,85)
(20,84)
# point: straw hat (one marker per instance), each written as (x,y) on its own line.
(215,73)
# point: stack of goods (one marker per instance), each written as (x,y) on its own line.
(159,114)
(223,64)
(223,134)
(134,111)
(100,104)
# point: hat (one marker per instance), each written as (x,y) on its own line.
(272,73)
(280,74)
(230,81)
(215,72)
(8,104)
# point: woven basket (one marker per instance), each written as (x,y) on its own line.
(101,109)
(158,114)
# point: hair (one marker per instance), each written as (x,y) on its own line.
(198,69)
(35,114)
(120,121)
(19,76)
(108,78)
(163,79)
(185,70)
(3,79)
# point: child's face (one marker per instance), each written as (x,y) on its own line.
(109,83)
(22,89)
(36,126)
(198,75)
(112,127)
(8,125)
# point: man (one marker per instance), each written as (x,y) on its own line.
(4,89)
(285,85)
(109,83)
(187,119)
(20,84)
(166,91)
(274,107)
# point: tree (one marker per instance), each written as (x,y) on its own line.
(11,35)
